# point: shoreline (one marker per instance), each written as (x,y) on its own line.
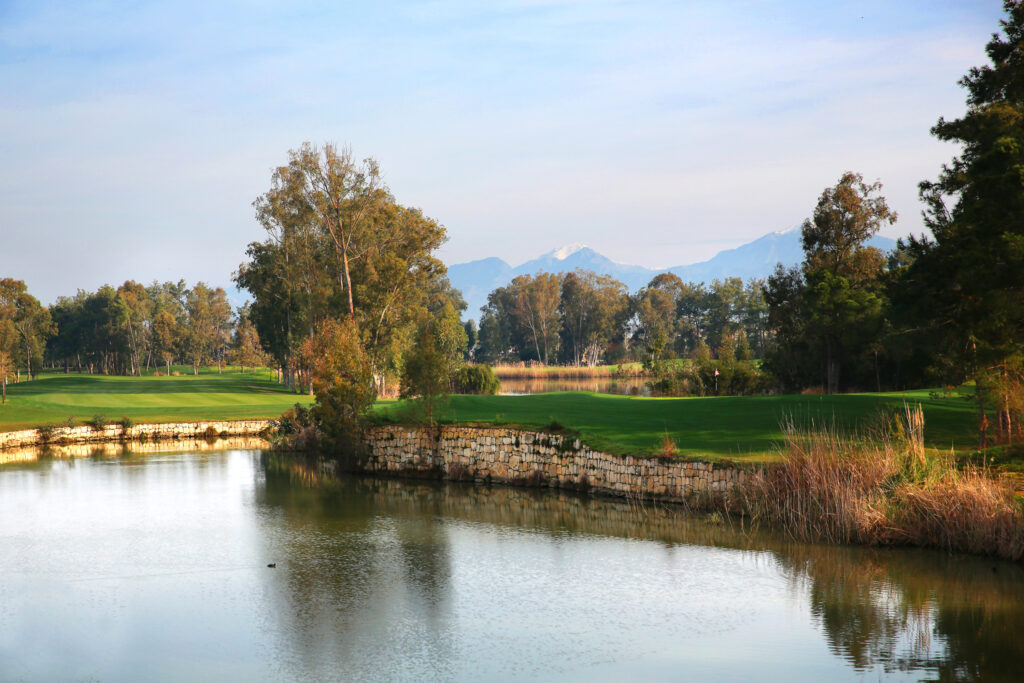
(139,433)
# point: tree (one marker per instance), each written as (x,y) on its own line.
(431,364)
(535,302)
(973,271)
(843,293)
(792,356)
(593,309)
(343,384)
(656,308)
(245,343)
(167,337)
(209,320)
(472,338)
(6,366)
(25,325)
(338,244)
(135,310)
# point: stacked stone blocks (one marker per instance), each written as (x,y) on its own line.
(538,458)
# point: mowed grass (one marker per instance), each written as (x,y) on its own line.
(740,428)
(54,398)
(719,427)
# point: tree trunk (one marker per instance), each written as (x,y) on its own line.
(982,421)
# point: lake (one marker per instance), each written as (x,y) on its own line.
(154,567)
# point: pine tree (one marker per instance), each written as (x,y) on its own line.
(972,274)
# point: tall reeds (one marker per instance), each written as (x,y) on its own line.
(884,489)
(536,371)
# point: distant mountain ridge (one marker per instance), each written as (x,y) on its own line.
(757,259)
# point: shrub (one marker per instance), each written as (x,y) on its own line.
(294,420)
(45,432)
(344,386)
(475,379)
(125,422)
(211,433)
(668,450)
(97,422)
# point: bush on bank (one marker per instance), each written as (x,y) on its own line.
(475,379)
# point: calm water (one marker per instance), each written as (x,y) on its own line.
(154,567)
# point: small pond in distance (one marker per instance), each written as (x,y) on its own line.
(154,567)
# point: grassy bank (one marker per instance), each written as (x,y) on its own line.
(731,427)
(54,398)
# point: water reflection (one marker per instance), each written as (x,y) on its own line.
(900,611)
(127,567)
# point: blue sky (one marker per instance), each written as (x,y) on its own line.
(135,135)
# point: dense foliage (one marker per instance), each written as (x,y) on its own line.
(582,318)
(964,290)
(475,379)
(125,330)
(340,246)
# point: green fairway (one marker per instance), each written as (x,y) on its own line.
(734,427)
(53,398)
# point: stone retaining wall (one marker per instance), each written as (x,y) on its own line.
(140,432)
(540,459)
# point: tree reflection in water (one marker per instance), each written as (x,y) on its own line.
(952,616)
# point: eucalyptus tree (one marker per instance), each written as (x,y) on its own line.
(656,314)
(593,309)
(136,314)
(209,324)
(339,245)
(534,309)
(844,297)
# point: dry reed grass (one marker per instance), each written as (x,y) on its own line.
(536,371)
(668,450)
(885,490)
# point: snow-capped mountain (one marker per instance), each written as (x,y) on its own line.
(477,279)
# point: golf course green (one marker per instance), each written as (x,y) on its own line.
(730,427)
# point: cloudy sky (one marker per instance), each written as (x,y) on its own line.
(134,136)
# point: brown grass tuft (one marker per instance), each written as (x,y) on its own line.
(668,450)
(845,489)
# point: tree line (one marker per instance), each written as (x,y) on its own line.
(124,330)
(582,318)
(945,309)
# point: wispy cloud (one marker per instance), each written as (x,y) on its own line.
(136,135)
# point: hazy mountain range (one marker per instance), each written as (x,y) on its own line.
(477,279)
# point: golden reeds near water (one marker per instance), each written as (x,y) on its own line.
(884,490)
(524,371)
